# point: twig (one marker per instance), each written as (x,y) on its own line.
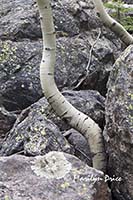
(90,54)
(89,62)
(82,153)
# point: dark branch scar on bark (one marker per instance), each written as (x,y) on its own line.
(98,14)
(50,74)
(85,119)
(113,24)
(51,96)
(63,114)
(49,49)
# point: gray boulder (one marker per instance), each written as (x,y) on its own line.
(73,59)
(35,133)
(19,73)
(19,68)
(54,176)
(119,130)
(20,20)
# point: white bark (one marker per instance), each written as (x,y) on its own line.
(62,107)
(113,24)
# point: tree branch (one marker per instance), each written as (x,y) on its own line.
(116,27)
(60,105)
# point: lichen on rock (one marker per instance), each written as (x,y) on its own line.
(119,130)
(53,165)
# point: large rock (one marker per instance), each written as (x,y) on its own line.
(35,133)
(73,59)
(19,73)
(119,129)
(19,68)
(53,176)
(20,19)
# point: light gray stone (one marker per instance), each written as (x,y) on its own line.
(54,176)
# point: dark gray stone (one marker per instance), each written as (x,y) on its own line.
(20,20)
(7,120)
(73,59)
(119,130)
(19,68)
(84,13)
(19,73)
(80,144)
(35,133)
(53,176)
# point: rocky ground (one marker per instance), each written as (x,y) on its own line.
(40,155)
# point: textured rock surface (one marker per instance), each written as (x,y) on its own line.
(19,73)
(119,121)
(19,68)
(80,144)
(20,20)
(36,134)
(7,120)
(53,176)
(72,61)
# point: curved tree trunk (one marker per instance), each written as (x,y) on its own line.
(113,24)
(62,107)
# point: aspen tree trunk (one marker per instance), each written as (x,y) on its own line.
(61,106)
(113,24)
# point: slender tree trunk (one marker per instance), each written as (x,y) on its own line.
(113,24)
(62,107)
